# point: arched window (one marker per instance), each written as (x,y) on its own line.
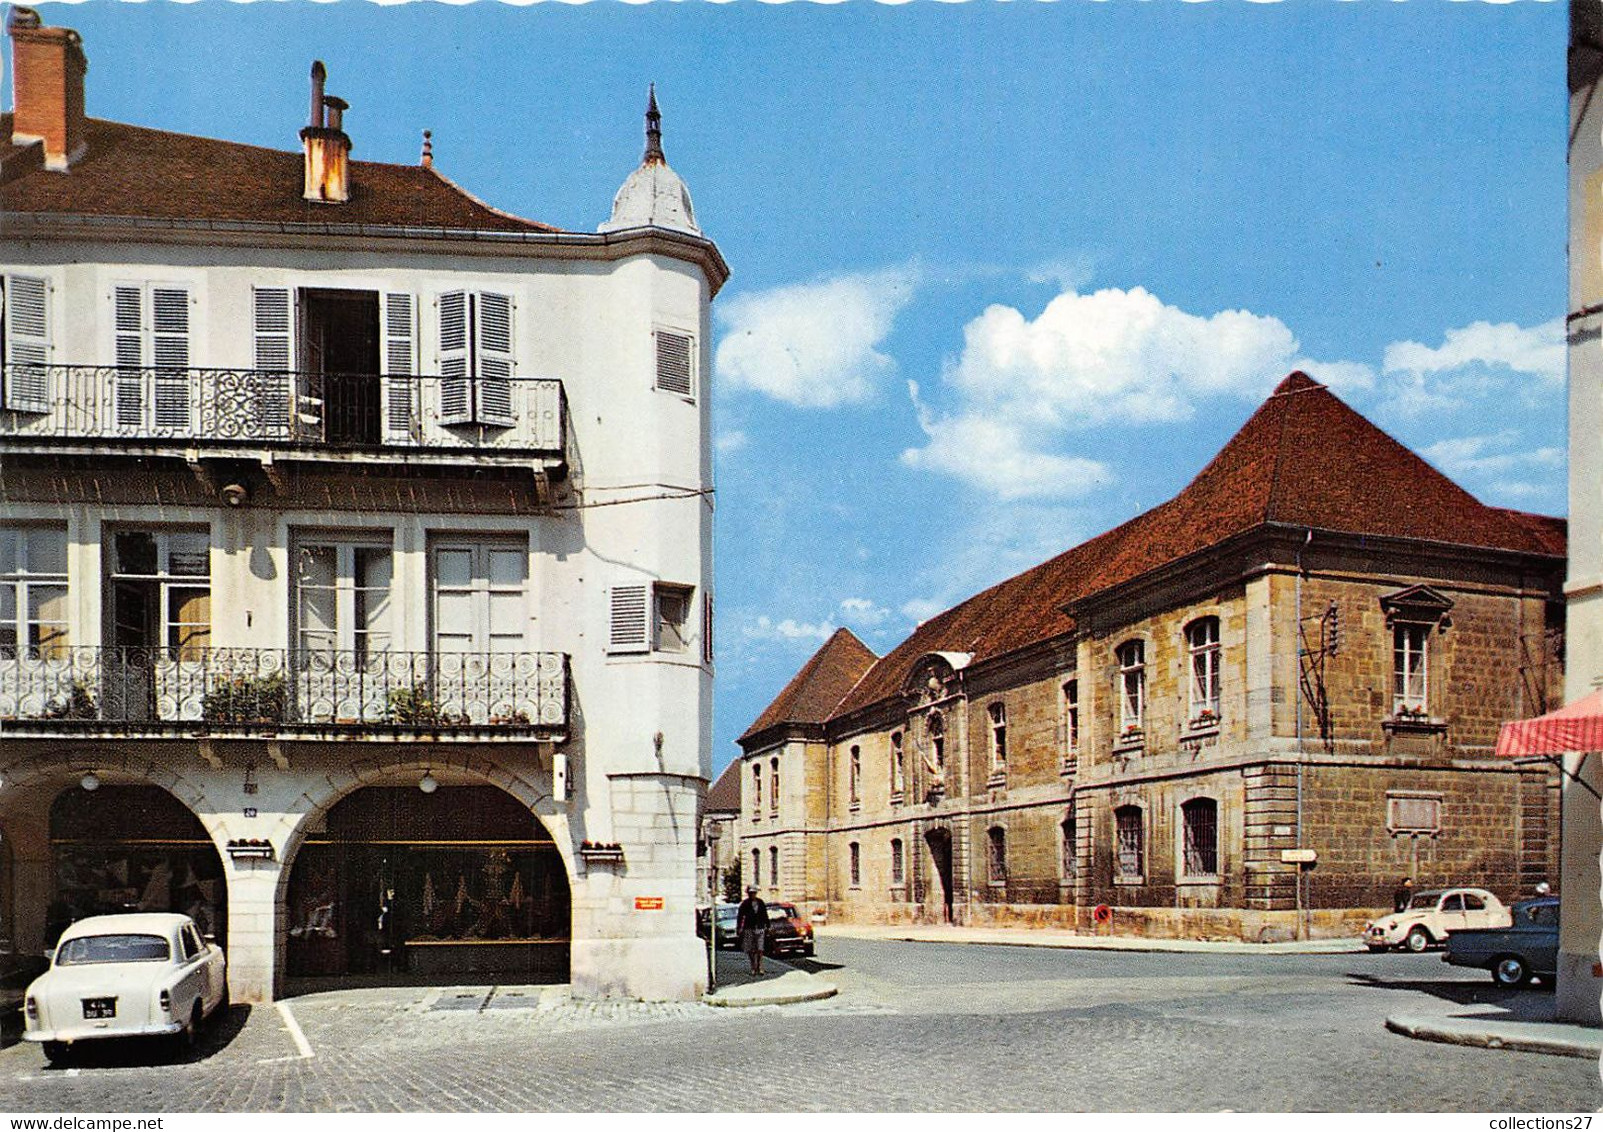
(1131,841)
(998,857)
(898,764)
(757,866)
(773,866)
(756,790)
(898,866)
(856,859)
(1132,656)
(773,785)
(937,728)
(854,776)
(1202,648)
(1199,827)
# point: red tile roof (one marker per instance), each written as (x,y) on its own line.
(1303,459)
(724,794)
(131,171)
(815,691)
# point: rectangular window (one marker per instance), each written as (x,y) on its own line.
(998,714)
(479,597)
(1410,687)
(1199,821)
(152,392)
(1131,843)
(672,618)
(1410,812)
(1070,852)
(854,776)
(1202,645)
(161,592)
(1132,686)
(476,362)
(856,858)
(898,865)
(898,765)
(997,862)
(675,362)
(1071,718)
(25,328)
(342,600)
(33,592)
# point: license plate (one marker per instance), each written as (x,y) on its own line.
(100,1008)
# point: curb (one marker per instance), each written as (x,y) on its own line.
(1522,1036)
(771,1000)
(1127,943)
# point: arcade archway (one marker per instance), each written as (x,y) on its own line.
(458,884)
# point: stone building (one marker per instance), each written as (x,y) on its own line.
(1246,713)
(718,848)
(355,553)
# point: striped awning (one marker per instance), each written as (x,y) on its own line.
(1574,727)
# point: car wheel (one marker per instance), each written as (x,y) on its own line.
(56,1052)
(808,951)
(190,1034)
(1418,940)
(1510,971)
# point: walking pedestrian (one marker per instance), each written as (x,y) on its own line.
(751,922)
(1401,896)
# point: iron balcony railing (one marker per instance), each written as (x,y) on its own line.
(245,407)
(208,690)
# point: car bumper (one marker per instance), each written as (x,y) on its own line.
(94,1033)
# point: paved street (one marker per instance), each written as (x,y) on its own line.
(916,1026)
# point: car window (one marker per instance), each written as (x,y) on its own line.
(1425,900)
(188,942)
(1544,914)
(113,949)
(1454,903)
(1474,903)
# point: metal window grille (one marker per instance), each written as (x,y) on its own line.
(857,865)
(1071,858)
(998,861)
(1131,847)
(898,868)
(1200,821)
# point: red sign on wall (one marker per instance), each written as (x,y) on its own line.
(648,903)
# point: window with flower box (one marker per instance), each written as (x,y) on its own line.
(1132,658)
(1202,649)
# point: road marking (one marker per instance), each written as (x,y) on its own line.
(294,1029)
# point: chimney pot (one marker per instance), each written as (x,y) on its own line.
(327,148)
(47,87)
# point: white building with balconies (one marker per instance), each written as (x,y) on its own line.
(355,554)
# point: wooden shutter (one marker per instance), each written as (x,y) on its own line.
(128,325)
(275,386)
(493,355)
(398,315)
(170,353)
(630,625)
(27,326)
(456,405)
(673,362)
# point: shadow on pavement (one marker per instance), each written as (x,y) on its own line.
(1520,1002)
(122,1053)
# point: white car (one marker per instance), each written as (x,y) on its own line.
(1432,916)
(124,976)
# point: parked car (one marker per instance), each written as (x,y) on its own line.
(789,932)
(726,924)
(123,976)
(1432,916)
(1526,949)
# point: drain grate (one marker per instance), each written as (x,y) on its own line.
(512,1000)
(461,1000)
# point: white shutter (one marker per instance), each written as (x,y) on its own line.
(398,315)
(128,325)
(629,629)
(27,325)
(493,353)
(673,362)
(456,406)
(271,330)
(170,351)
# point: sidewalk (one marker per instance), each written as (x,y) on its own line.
(780,984)
(1528,1025)
(1062,938)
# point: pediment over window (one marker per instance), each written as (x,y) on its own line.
(1417,605)
(934,678)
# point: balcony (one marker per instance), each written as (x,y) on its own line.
(284,694)
(281,414)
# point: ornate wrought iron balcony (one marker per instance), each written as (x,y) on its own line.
(283,692)
(245,409)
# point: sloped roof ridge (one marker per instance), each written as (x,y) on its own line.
(480,201)
(843,653)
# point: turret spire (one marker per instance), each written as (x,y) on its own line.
(654,154)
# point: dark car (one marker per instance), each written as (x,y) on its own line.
(1527,949)
(726,924)
(789,933)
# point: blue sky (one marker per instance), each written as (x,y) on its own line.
(1004,274)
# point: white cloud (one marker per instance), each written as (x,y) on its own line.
(765,628)
(862,612)
(814,345)
(1021,385)
(1483,362)
(921,609)
(732,440)
(1069,274)
(1501,463)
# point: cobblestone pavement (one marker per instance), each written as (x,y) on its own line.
(915,1027)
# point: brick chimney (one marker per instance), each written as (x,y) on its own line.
(47,72)
(328,149)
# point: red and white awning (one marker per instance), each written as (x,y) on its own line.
(1575,727)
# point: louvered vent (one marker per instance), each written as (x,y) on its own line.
(673,362)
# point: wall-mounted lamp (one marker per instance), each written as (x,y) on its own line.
(90,781)
(235,494)
(428,783)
